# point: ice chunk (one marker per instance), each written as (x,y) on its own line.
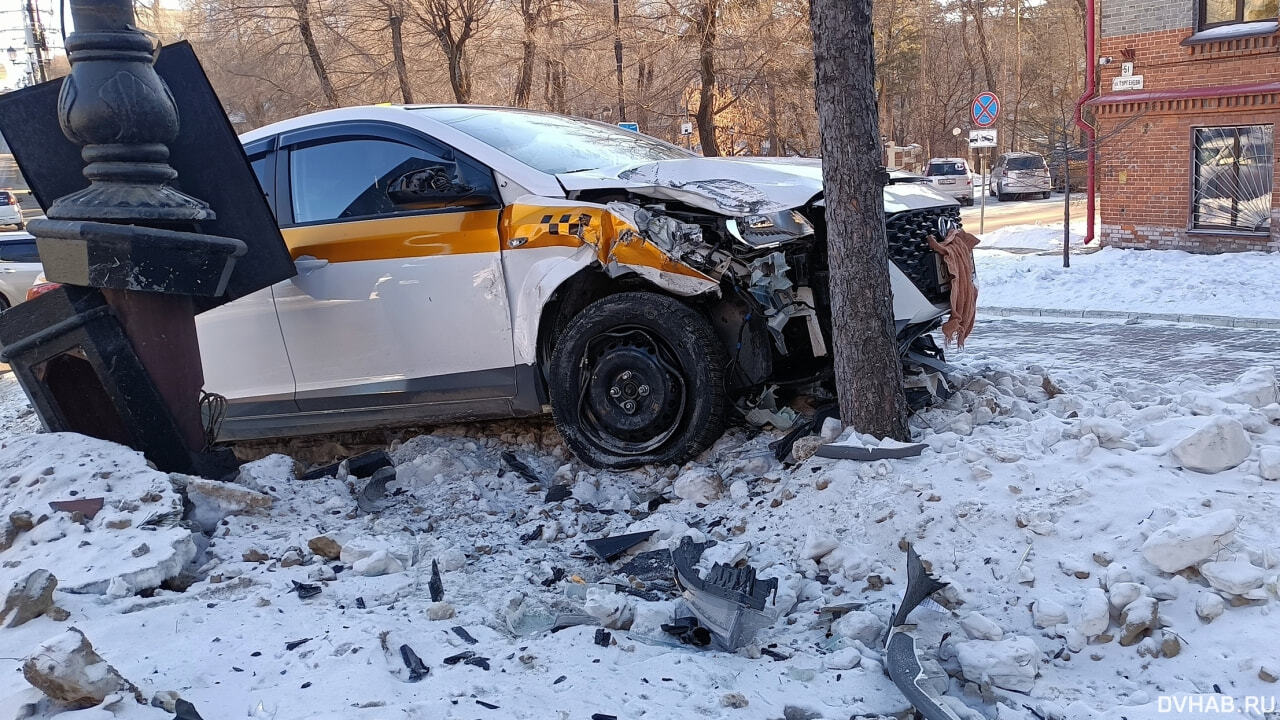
(1220,445)
(1188,541)
(1011,664)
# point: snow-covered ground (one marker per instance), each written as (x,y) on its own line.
(1144,281)
(1039,491)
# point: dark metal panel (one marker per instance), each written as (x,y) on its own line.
(210,161)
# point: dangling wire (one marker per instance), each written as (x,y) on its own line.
(213,410)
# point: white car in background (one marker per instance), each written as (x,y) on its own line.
(466,262)
(19,267)
(951,176)
(1018,174)
(10,211)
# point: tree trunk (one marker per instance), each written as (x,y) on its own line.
(309,40)
(617,59)
(706,115)
(397,54)
(868,371)
(529,49)
(459,75)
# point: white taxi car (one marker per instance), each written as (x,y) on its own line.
(464,262)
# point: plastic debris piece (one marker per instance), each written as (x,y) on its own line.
(688,631)
(460,657)
(558,493)
(885,451)
(417,670)
(88,507)
(184,710)
(560,679)
(602,716)
(359,466)
(777,656)
(728,601)
(372,497)
(360,603)
(435,585)
(532,535)
(612,547)
(462,633)
(563,622)
(902,657)
(603,637)
(477,661)
(557,574)
(520,468)
(305,590)
(484,704)
(295,644)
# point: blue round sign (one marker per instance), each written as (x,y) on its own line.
(986,109)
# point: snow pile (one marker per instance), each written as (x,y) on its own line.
(1091,570)
(1030,237)
(1149,281)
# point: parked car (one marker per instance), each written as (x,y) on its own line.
(1018,174)
(19,268)
(951,177)
(10,212)
(463,263)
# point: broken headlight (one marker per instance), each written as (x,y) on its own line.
(763,231)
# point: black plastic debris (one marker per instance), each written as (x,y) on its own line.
(602,716)
(808,426)
(359,466)
(612,547)
(649,567)
(295,644)
(688,631)
(728,601)
(486,705)
(183,710)
(519,467)
(417,670)
(558,493)
(305,590)
(560,679)
(777,656)
(372,498)
(462,633)
(902,657)
(603,637)
(460,657)
(477,661)
(557,574)
(435,585)
(360,603)
(532,535)
(564,622)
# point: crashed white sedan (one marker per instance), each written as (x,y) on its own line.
(463,262)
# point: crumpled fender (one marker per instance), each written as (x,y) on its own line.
(572,236)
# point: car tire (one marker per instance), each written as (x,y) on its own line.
(653,352)
(1002,197)
(1046,195)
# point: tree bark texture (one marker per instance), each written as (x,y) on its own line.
(868,371)
(528,52)
(303,10)
(397,53)
(705,26)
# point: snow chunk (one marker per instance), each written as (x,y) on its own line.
(212,501)
(1255,388)
(1269,463)
(858,625)
(380,562)
(1220,445)
(1188,541)
(67,669)
(1095,615)
(1209,606)
(1011,664)
(979,627)
(700,485)
(1047,613)
(1235,577)
(29,598)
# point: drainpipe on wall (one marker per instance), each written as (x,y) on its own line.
(1091,69)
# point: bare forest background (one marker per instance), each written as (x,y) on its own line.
(740,72)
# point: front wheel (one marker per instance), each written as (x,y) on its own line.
(638,378)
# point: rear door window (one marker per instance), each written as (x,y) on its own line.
(946,169)
(20,251)
(1026,163)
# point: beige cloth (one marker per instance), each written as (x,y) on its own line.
(957,255)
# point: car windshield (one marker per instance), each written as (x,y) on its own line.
(946,168)
(554,143)
(1026,162)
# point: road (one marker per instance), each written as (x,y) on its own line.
(1020,212)
(1160,352)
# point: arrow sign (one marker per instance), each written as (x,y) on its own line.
(986,109)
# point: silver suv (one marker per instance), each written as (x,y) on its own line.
(1019,174)
(950,176)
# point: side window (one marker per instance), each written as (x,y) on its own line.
(23,252)
(367,177)
(262,168)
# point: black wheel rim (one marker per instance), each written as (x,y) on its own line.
(632,393)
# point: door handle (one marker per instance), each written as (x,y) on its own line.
(307,263)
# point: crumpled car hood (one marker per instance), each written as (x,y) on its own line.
(739,186)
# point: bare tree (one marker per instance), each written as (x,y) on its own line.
(705,28)
(302,8)
(533,14)
(395,20)
(868,371)
(455,23)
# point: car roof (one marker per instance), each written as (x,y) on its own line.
(946,159)
(1020,153)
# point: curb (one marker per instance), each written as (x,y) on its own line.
(1188,319)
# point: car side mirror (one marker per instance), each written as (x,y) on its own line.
(433,185)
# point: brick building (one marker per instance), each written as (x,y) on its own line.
(1190,101)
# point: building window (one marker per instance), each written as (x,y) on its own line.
(1234,170)
(1214,13)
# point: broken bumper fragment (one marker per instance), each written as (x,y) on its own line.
(903,659)
(729,602)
